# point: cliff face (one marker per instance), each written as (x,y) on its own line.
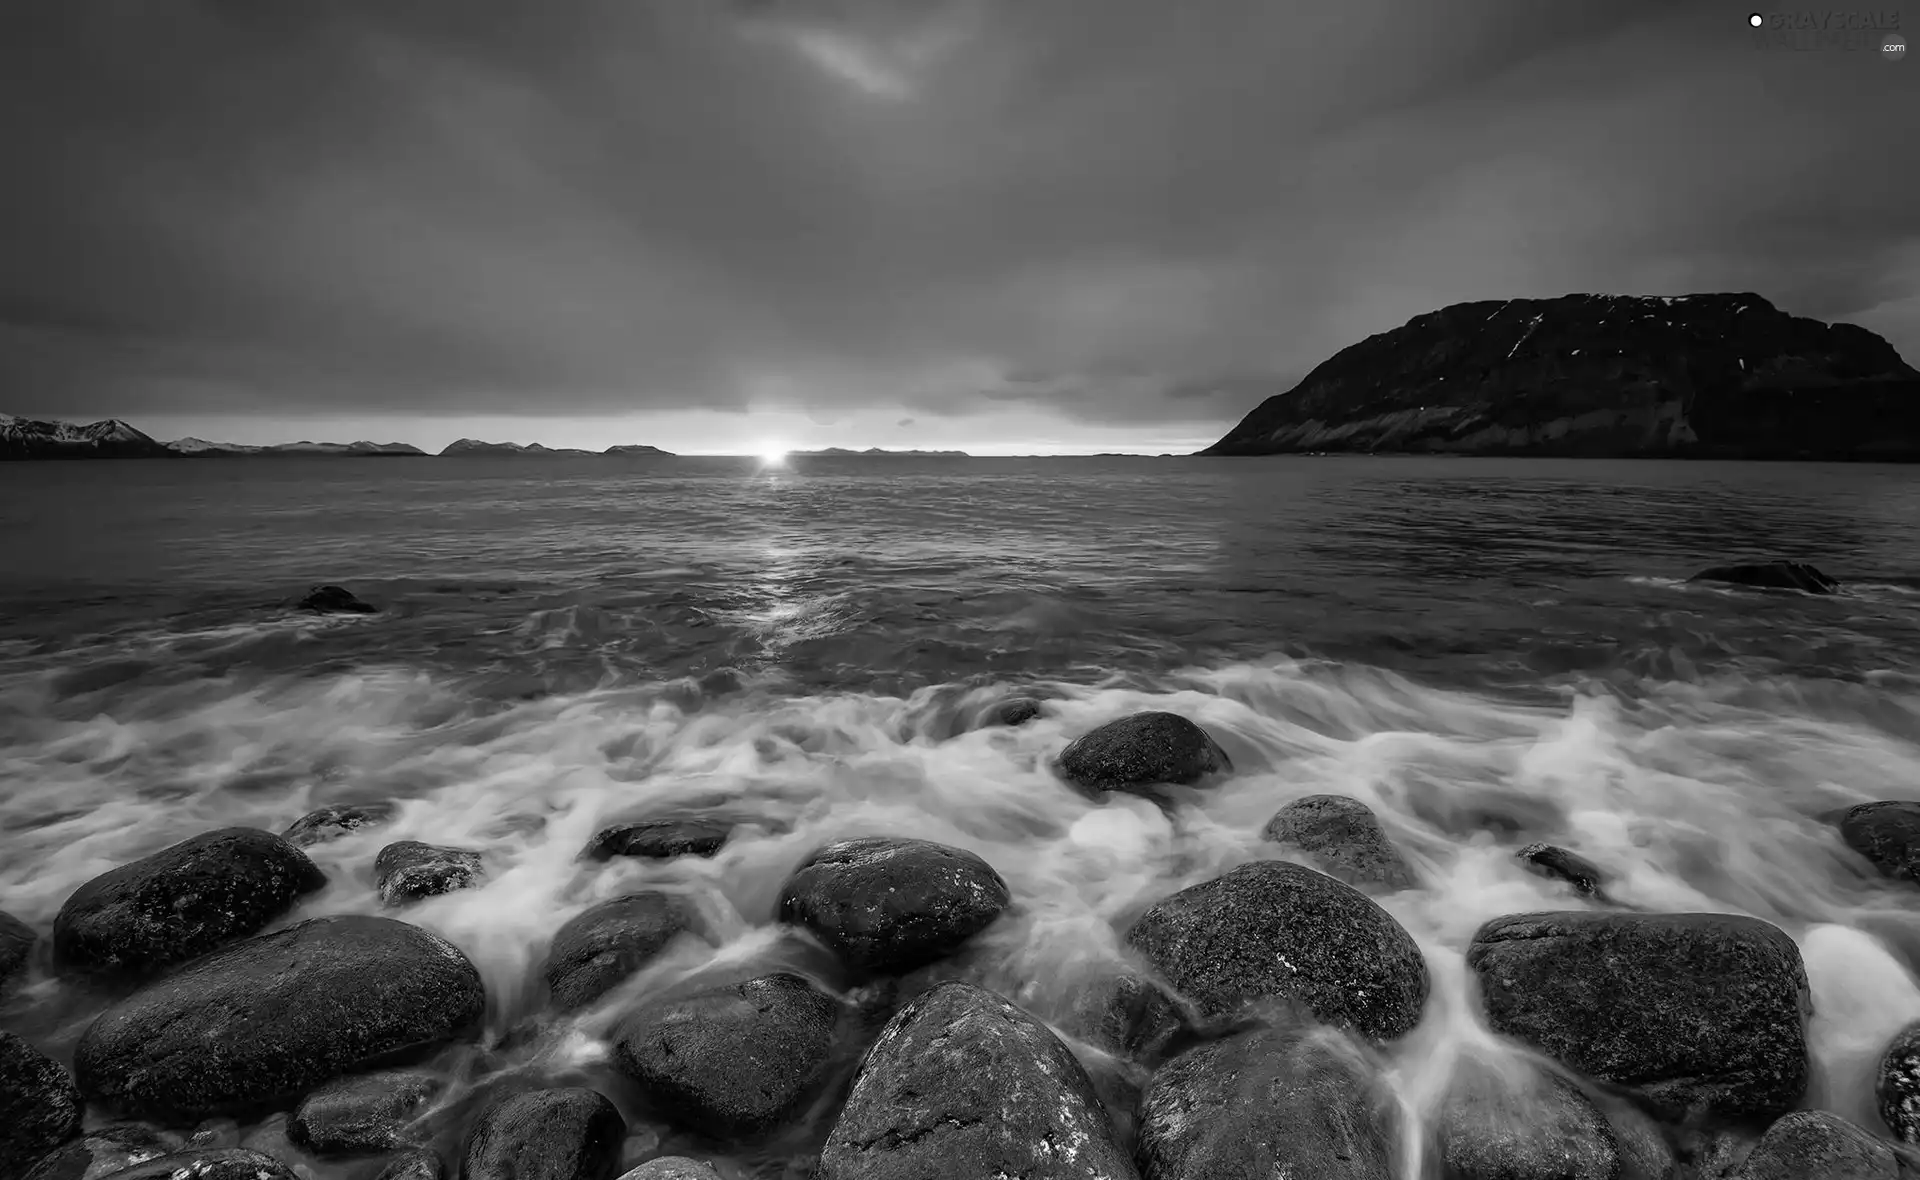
(1713,376)
(28,438)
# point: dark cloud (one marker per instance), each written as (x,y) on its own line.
(1115,210)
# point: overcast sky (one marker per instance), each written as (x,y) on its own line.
(1024,225)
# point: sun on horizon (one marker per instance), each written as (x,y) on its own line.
(773,454)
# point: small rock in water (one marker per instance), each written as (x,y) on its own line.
(253,1027)
(329,600)
(1887,834)
(1344,838)
(962,1085)
(215,1133)
(659,839)
(181,902)
(734,1061)
(1274,930)
(1298,1103)
(1549,860)
(1773,575)
(39,1105)
(607,943)
(106,1151)
(1698,1014)
(887,904)
(408,870)
(1898,1086)
(673,1167)
(362,1114)
(16,949)
(1012,712)
(1493,1126)
(1126,1013)
(563,1134)
(1816,1145)
(419,1164)
(212,1163)
(1145,750)
(331,823)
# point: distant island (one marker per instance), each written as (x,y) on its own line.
(841,451)
(30,438)
(201,447)
(1602,376)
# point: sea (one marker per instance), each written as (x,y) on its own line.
(1486,652)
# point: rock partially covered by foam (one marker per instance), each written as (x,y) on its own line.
(1137,753)
(607,943)
(254,1026)
(407,871)
(39,1105)
(16,949)
(181,902)
(1887,834)
(1550,860)
(1344,839)
(570,1133)
(1771,575)
(1495,1125)
(1698,1014)
(659,839)
(1816,1145)
(1897,1085)
(891,904)
(362,1114)
(211,1163)
(1276,931)
(327,824)
(963,1084)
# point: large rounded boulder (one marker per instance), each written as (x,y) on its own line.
(1276,931)
(1137,753)
(407,871)
(889,904)
(181,902)
(1294,1102)
(1698,1014)
(734,1061)
(1816,1145)
(962,1084)
(607,943)
(1344,839)
(39,1106)
(252,1027)
(1887,834)
(570,1133)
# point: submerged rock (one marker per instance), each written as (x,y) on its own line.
(255,1026)
(562,1134)
(181,902)
(420,1164)
(1273,1102)
(1887,834)
(1145,750)
(1495,1127)
(408,870)
(1011,712)
(16,949)
(1550,860)
(105,1151)
(1127,1014)
(1273,930)
(609,942)
(1816,1145)
(362,1114)
(887,904)
(1897,1086)
(1699,1014)
(39,1105)
(673,1167)
(1772,575)
(211,1163)
(734,1061)
(328,600)
(1343,838)
(659,839)
(963,1085)
(331,823)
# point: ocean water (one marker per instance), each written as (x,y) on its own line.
(1487,652)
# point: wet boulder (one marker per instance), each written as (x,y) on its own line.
(253,1027)
(332,823)
(607,943)
(963,1084)
(1137,753)
(210,1163)
(1294,1102)
(570,1133)
(39,1105)
(673,1167)
(16,949)
(1698,1014)
(1887,834)
(1550,860)
(1500,1125)
(890,905)
(334,600)
(735,1061)
(362,1114)
(407,871)
(105,1151)
(1343,838)
(1897,1086)
(1276,931)
(659,839)
(1816,1145)
(1126,1013)
(418,1164)
(181,902)
(1771,575)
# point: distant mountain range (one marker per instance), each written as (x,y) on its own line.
(201,447)
(835,451)
(29,438)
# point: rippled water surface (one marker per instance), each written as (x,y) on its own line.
(1487,652)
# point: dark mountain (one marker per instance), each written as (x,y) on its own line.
(635,449)
(1708,376)
(28,438)
(473,447)
(201,448)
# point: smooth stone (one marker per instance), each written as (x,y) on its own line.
(1888,835)
(673,1167)
(333,823)
(17,940)
(39,1105)
(1343,838)
(334,600)
(1897,1085)
(1492,1126)
(889,904)
(1142,751)
(735,1061)
(570,1133)
(1550,860)
(362,1114)
(1277,931)
(181,902)
(106,1151)
(1299,1103)
(1773,575)
(419,1164)
(1698,1014)
(659,839)
(257,1025)
(1816,1145)
(606,944)
(962,1085)
(407,871)
(212,1163)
